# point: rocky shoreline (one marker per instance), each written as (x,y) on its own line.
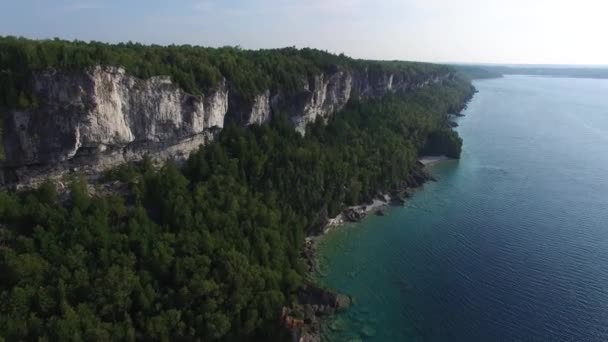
(316,304)
(397,196)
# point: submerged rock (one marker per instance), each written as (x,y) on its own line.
(338,325)
(398,200)
(304,318)
(323,300)
(368,331)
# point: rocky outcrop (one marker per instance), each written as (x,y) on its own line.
(99,117)
(320,97)
(355,214)
(304,318)
(105,109)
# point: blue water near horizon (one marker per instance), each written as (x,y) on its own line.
(511,243)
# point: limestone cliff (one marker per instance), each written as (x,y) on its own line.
(99,117)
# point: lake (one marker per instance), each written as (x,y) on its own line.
(511,242)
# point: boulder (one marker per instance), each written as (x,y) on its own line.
(354,214)
(323,301)
(398,199)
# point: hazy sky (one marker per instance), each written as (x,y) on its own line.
(509,31)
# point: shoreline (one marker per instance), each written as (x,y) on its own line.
(362,211)
(354,214)
(432,160)
(395,198)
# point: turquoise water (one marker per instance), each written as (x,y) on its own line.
(511,243)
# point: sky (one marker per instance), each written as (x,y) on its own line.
(456,31)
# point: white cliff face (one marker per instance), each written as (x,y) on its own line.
(260,110)
(128,109)
(102,116)
(323,96)
(327,94)
(106,108)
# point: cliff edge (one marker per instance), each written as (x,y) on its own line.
(98,117)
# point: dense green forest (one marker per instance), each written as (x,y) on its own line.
(475,72)
(194,68)
(494,71)
(209,251)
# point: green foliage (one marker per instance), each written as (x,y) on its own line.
(194,68)
(445,141)
(210,251)
(475,72)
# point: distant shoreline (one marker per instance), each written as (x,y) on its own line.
(481,71)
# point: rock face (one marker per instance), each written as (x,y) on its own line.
(304,318)
(96,118)
(355,214)
(320,97)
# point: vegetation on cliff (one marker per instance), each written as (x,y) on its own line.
(194,68)
(210,251)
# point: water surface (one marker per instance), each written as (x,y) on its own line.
(511,244)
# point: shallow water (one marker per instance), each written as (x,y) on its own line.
(510,244)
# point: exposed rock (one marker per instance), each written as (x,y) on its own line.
(96,118)
(355,214)
(325,301)
(380,213)
(418,176)
(321,96)
(303,318)
(91,112)
(400,195)
(308,253)
(338,325)
(343,301)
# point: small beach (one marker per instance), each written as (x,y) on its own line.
(430,160)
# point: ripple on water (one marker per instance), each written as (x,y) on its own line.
(511,243)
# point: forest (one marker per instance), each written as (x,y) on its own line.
(194,68)
(210,250)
